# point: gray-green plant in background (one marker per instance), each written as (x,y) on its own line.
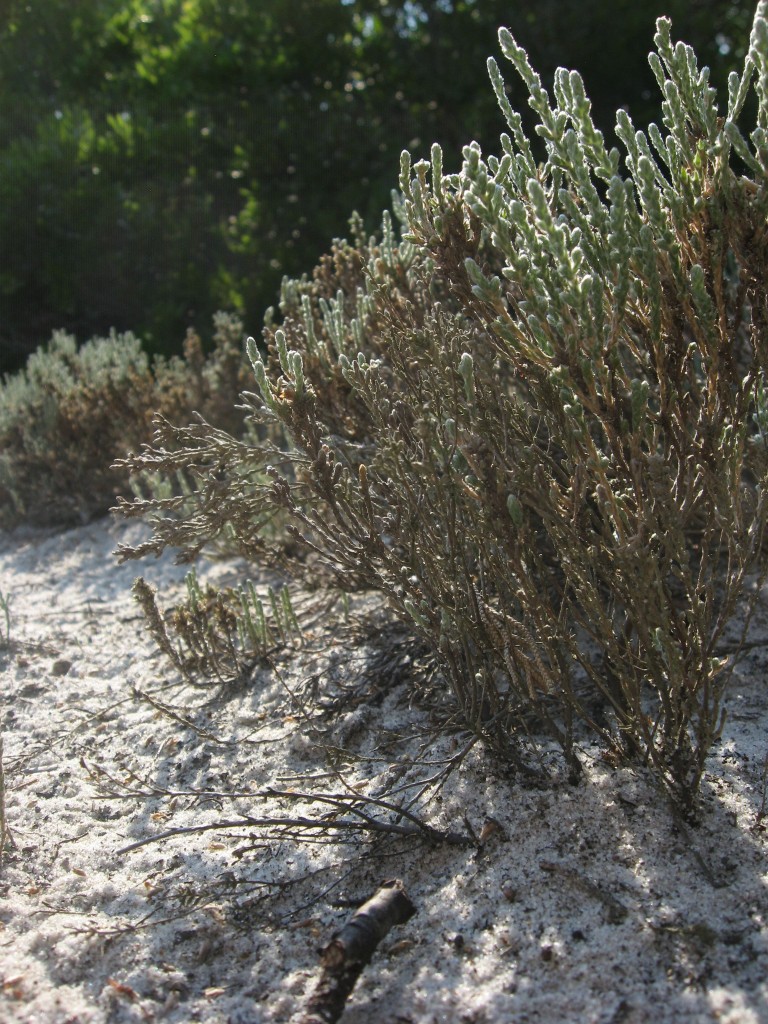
(74,410)
(535,424)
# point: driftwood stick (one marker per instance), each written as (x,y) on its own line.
(351,948)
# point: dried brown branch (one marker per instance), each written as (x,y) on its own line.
(351,949)
(303,828)
(3,828)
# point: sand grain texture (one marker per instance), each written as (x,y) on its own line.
(582,904)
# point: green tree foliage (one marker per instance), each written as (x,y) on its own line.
(156,178)
(162,159)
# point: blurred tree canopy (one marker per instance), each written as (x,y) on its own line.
(162,159)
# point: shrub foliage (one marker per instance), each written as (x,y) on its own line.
(535,423)
(72,412)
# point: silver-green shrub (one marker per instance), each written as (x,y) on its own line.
(54,418)
(74,410)
(536,423)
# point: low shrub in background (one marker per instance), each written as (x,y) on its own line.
(536,424)
(73,412)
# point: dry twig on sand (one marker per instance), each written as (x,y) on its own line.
(352,947)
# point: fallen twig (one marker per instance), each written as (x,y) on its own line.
(615,909)
(2,804)
(169,712)
(351,948)
(306,828)
(347,816)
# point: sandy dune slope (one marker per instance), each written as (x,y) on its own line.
(588,904)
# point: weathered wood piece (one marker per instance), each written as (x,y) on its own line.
(351,948)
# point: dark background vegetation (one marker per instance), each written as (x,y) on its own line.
(163,159)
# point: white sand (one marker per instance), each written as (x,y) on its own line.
(586,904)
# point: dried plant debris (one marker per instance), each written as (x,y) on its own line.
(351,948)
(220,633)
